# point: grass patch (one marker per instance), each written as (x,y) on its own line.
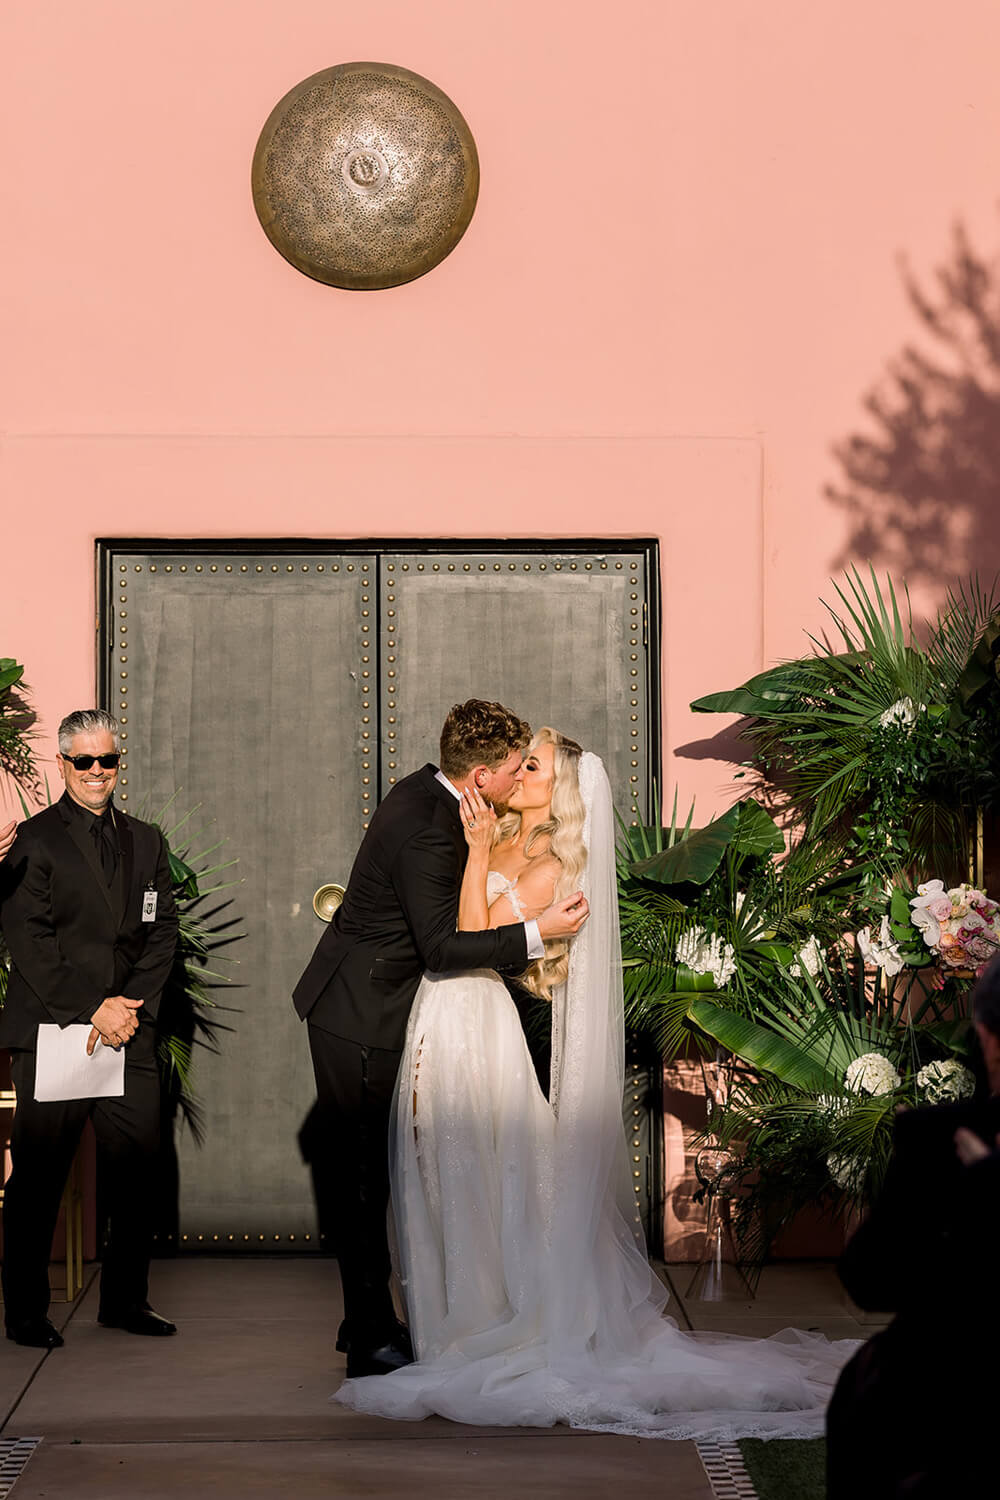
(786,1470)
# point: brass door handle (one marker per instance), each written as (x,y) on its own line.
(327,899)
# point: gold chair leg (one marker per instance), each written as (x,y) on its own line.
(73,1218)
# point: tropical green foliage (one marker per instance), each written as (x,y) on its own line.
(724,882)
(16,720)
(190,1015)
(883,747)
(876,751)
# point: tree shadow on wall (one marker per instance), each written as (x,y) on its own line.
(920,488)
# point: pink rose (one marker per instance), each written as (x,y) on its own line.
(940,908)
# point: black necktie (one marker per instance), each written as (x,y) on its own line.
(107,845)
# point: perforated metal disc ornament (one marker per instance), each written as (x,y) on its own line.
(365,176)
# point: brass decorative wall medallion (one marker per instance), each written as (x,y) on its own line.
(365,176)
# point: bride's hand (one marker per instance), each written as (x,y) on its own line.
(478,820)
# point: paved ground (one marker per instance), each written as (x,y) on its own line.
(238,1403)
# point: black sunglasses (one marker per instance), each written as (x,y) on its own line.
(84,762)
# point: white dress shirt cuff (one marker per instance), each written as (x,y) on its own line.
(536,948)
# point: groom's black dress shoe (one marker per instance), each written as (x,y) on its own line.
(397,1333)
(141,1320)
(35,1333)
(363,1359)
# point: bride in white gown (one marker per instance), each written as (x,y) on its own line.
(530,1300)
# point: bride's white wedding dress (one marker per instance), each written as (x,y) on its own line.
(530,1301)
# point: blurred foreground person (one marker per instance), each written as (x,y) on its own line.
(912,1414)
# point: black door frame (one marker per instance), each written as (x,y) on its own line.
(643,1073)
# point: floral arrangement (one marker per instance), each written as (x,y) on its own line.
(797,936)
(961,927)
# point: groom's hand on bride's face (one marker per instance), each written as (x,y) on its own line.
(564,918)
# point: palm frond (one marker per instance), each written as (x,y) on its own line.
(663,1018)
(968,609)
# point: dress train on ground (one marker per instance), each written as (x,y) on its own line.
(513,1327)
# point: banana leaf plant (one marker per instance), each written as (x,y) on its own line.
(704,910)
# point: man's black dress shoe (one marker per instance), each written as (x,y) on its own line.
(364,1360)
(141,1320)
(35,1333)
(397,1333)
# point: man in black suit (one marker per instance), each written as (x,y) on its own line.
(912,1415)
(88,915)
(398,919)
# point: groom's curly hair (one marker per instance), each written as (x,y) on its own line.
(477,733)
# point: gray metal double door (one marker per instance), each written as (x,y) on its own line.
(281,690)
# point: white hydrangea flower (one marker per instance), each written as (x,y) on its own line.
(706,954)
(901,715)
(872,1074)
(944,1082)
(881,950)
(808,959)
(846,1171)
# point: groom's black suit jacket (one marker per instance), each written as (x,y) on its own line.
(397,920)
(73,939)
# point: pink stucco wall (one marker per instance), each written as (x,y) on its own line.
(680,282)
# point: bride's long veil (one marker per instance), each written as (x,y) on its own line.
(601,1283)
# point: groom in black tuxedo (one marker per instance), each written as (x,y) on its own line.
(87,909)
(913,1413)
(398,919)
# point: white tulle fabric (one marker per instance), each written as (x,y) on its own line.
(530,1299)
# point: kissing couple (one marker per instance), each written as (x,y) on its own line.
(529,1296)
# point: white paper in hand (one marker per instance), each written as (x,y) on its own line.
(64,1071)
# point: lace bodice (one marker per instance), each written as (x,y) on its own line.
(498,885)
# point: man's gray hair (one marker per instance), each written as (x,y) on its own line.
(87,721)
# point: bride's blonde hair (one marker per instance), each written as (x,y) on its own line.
(563,829)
